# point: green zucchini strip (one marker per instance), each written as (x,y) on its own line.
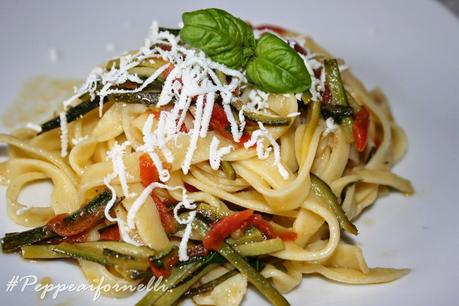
(338,93)
(240,263)
(264,118)
(210,285)
(264,247)
(178,274)
(73,113)
(143,97)
(170,30)
(45,251)
(147,97)
(12,242)
(213,214)
(228,170)
(171,296)
(258,265)
(324,192)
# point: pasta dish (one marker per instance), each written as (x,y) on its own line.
(215,156)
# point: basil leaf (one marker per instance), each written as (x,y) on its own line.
(277,68)
(224,38)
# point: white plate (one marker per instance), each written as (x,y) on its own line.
(408,48)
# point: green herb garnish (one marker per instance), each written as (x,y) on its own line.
(270,63)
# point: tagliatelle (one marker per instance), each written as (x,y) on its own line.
(272,172)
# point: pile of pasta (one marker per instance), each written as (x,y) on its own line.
(304,147)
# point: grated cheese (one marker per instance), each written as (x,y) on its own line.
(119,170)
(183,250)
(194,135)
(296,114)
(216,154)
(150,143)
(76,141)
(124,233)
(210,99)
(262,153)
(34,127)
(330,126)
(64,134)
(185,203)
(112,200)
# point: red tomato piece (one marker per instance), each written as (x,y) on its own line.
(263,225)
(270,27)
(225,227)
(111,233)
(360,129)
(167,219)
(148,172)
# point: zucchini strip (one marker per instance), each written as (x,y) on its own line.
(264,247)
(73,113)
(178,274)
(258,265)
(228,170)
(170,30)
(129,267)
(105,257)
(240,263)
(12,242)
(213,214)
(148,96)
(338,93)
(255,278)
(171,296)
(324,192)
(143,97)
(334,82)
(88,216)
(210,285)
(337,112)
(46,251)
(264,118)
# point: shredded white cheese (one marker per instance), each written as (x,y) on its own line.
(78,140)
(119,170)
(112,200)
(262,153)
(64,133)
(150,144)
(183,255)
(194,135)
(185,203)
(33,126)
(330,126)
(216,154)
(296,114)
(124,233)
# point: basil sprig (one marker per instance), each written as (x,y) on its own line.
(276,67)
(270,63)
(224,38)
